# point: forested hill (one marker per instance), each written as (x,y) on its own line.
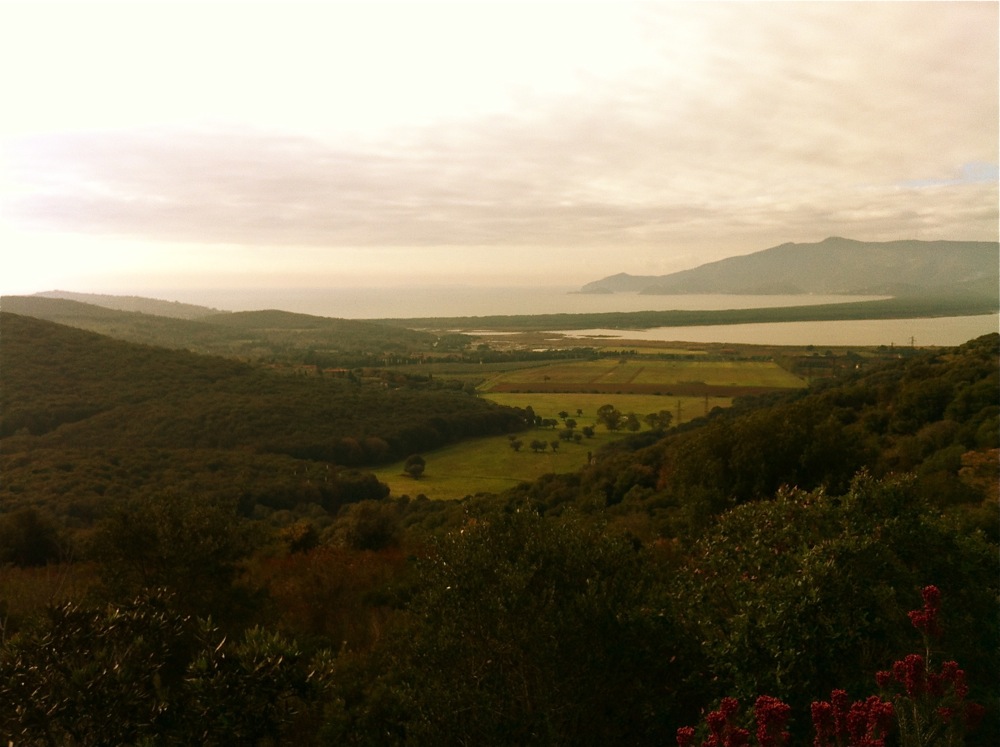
(66,388)
(836,266)
(934,415)
(275,335)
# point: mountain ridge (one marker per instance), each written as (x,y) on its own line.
(836,266)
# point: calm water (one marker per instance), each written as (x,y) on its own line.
(943,331)
(387,303)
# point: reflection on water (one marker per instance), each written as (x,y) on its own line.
(937,331)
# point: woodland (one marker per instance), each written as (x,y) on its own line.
(194,550)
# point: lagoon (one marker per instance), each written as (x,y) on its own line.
(920,332)
(462,301)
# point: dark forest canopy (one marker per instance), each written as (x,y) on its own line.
(65,388)
(231,564)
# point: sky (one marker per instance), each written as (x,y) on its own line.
(230,144)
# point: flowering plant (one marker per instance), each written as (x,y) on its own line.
(928,704)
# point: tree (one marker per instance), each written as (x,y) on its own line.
(192,547)
(570,424)
(537,445)
(414,466)
(632,422)
(588,431)
(610,416)
(530,631)
(659,421)
(144,673)
(29,538)
(516,444)
(554,445)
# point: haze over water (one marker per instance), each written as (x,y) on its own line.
(428,301)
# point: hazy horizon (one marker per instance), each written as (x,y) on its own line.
(219,145)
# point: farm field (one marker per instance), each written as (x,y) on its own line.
(490,465)
(686,389)
(651,377)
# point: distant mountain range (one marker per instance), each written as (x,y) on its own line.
(833,266)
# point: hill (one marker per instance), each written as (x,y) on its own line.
(64,388)
(834,266)
(271,335)
(172,309)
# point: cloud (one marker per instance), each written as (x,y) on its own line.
(726,128)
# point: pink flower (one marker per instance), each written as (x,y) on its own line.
(925,620)
(685,736)
(772,718)
(823,723)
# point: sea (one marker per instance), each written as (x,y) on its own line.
(474,301)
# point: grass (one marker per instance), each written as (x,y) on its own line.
(631,371)
(549,405)
(490,465)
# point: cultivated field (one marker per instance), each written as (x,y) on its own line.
(490,465)
(686,389)
(635,375)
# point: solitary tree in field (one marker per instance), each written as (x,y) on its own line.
(516,444)
(415,466)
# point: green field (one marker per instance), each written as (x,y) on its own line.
(549,405)
(490,465)
(645,373)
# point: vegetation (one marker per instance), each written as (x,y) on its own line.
(192,554)
(904,307)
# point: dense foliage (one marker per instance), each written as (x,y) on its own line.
(241,595)
(66,389)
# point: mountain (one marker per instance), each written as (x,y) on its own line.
(834,266)
(172,309)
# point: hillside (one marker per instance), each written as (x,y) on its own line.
(834,266)
(172,309)
(271,335)
(64,388)
(774,548)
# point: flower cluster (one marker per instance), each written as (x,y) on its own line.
(928,702)
(863,723)
(942,692)
(771,715)
(772,721)
(926,620)
(929,705)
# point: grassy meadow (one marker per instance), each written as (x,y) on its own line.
(488,465)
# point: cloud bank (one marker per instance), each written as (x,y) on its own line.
(724,129)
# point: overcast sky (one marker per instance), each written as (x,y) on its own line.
(225,145)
